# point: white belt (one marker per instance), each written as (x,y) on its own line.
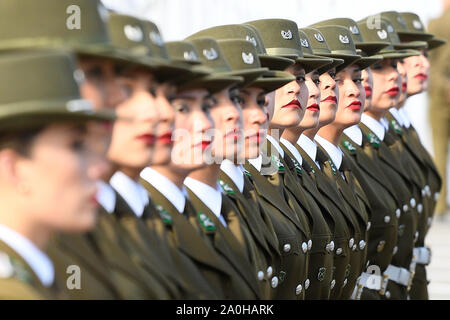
(357,291)
(374,281)
(400,275)
(422,255)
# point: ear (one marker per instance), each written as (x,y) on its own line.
(9,160)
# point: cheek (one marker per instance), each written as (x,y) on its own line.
(92,93)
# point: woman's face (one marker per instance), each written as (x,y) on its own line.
(311,118)
(192,123)
(417,70)
(101,84)
(255,121)
(290,100)
(385,85)
(227,116)
(134,138)
(58,179)
(402,82)
(367,82)
(329,94)
(351,97)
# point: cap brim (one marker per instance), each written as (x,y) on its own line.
(274,62)
(436,43)
(336,63)
(311,63)
(213,83)
(393,54)
(366,62)
(411,36)
(371,48)
(38,113)
(272,80)
(411,45)
(249,75)
(348,59)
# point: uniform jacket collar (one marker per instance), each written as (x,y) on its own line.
(334,152)
(374,125)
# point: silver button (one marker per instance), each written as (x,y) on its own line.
(307,284)
(428,190)
(345,283)
(388,294)
(387,219)
(274,282)
(287,247)
(368,226)
(330,246)
(269,271)
(304,247)
(354,247)
(420,208)
(333,283)
(351,242)
(338,251)
(412,202)
(416,236)
(394,251)
(362,245)
(309,245)
(398,212)
(260,275)
(436,196)
(430,220)
(423,192)
(405,207)
(298,289)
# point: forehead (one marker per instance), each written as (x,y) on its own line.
(192,94)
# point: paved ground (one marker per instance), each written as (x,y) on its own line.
(439,269)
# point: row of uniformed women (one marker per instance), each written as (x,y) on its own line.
(313,185)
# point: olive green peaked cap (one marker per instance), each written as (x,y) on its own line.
(417,31)
(41,87)
(185,51)
(369,47)
(243,60)
(281,38)
(388,35)
(246,32)
(307,47)
(402,29)
(340,42)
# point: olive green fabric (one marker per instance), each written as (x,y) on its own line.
(308,50)
(246,32)
(281,38)
(387,34)
(371,47)
(339,40)
(414,24)
(27,100)
(401,26)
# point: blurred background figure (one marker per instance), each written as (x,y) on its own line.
(439,103)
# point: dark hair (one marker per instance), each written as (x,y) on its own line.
(20,140)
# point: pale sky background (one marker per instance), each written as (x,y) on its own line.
(177,19)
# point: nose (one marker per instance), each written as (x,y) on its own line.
(98,167)
(293,87)
(203,122)
(167,111)
(352,89)
(115,93)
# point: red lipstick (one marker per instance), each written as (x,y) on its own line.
(293,104)
(421,76)
(313,107)
(393,91)
(165,138)
(355,105)
(404,86)
(205,144)
(368,90)
(148,139)
(332,99)
(257,137)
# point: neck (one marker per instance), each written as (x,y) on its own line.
(311,133)
(208,175)
(36,233)
(275,133)
(171,173)
(331,133)
(292,134)
(377,115)
(132,173)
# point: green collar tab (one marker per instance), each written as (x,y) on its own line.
(206,222)
(226,187)
(373,140)
(396,126)
(277,162)
(165,216)
(349,146)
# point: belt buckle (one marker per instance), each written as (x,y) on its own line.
(384,283)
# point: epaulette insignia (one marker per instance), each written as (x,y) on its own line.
(277,162)
(206,222)
(349,146)
(373,140)
(165,216)
(226,188)
(396,126)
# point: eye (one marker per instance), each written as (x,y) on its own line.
(357,80)
(94,73)
(77,145)
(181,107)
(152,91)
(316,81)
(332,75)
(261,102)
(394,64)
(236,99)
(300,78)
(376,66)
(206,107)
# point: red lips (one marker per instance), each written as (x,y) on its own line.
(355,105)
(165,138)
(393,91)
(404,86)
(257,137)
(421,76)
(93,200)
(293,104)
(368,90)
(148,139)
(313,107)
(205,144)
(332,99)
